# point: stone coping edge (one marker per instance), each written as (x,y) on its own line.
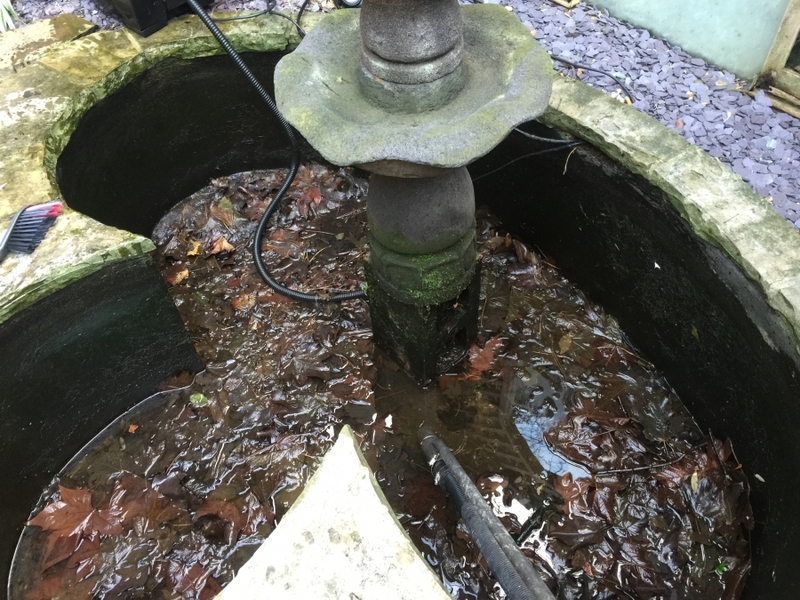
(45,101)
(718,205)
(42,105)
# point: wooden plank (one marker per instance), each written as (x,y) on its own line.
(791,108)
(787,80)
(784,40)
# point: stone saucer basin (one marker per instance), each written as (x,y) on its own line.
(509,78)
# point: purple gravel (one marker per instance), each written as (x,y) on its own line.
(706,106)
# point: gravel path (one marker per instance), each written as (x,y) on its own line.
(705,105)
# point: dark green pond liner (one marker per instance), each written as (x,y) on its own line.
(66,371)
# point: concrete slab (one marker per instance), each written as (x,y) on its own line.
(339,541)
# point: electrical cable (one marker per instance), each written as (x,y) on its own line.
(301,11)
(301,32)
(293,168)
(241,17)
(539,138)
(538,152)
(585,68)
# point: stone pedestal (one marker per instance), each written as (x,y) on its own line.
(424,339)
(414,92)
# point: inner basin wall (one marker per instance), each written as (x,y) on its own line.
(684,303)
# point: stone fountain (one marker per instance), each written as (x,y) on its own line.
(413,91)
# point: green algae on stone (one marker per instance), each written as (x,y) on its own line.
(508,82)
(22,47)
(425,279)
(718,205)
(75,247)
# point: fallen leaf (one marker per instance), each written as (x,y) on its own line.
(194,581)
(564,343)
(524,254)
(482,359)
(176,274)
(221,245)
(224,212)
(198,399)
(234,519)
(141,506)
(243,302)
(195,249)
(70,519)
(132,428)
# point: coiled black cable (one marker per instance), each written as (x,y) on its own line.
(273,207)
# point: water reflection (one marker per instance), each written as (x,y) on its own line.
(535,406)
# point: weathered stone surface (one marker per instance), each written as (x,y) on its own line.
(508,82)
(421,215)
(424,279)
(720,207)
(42,105)
(340,540)
(21,47)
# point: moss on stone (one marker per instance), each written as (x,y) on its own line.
(45,102)
(718,205)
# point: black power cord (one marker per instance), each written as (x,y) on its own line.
(571,144)
(585,68)
(269,10)
(293,168)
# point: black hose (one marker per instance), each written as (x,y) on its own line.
(493,554)
(293,168)
(511,568)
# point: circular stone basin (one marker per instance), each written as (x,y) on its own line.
(698,272)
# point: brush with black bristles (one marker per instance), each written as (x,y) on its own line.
(28,228)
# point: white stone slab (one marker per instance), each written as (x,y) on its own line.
(340,541)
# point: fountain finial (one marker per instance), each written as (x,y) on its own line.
(411,53)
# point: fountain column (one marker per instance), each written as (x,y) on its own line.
(412,91)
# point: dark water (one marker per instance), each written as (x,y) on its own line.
(576,441)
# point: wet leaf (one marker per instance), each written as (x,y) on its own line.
(227,512)
(524,254)
(481,359)
(565,343)
(198,399)
(194,250)
(223,212)
(176,274)
(243,302)
(192,580)
(141,506)
(71,519)
(74,515)
(221,245)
